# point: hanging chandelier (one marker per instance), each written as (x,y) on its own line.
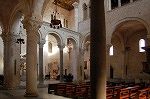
(55,23)
(20,40)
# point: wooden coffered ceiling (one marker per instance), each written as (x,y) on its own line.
(66,4)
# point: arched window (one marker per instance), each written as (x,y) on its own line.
(85,11)
(111,52)
(141,44)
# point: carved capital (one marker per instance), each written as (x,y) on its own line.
(32,28)
(31,25)
(61,46)
(41,43)
(7,37)
(75,4)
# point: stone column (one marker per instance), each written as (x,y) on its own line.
(108,5)
(81,65)
(41,76)
(126,63)
(108,60)
(131,1)
(98,50)
(8,57)
(11,61)
(70,60)
(75,4)
(74,62)
(31,60)
(61,47)
(119,3)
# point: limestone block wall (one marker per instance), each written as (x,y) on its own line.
(84,27)
(117,59)
(63,14)
(81,2)
(135,57)
(134,60)
(138,10)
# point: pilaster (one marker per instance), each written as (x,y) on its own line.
(75,4)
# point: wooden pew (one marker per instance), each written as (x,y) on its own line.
(128,93)
(144,93)
(70,90)
(111,92)
(61,89)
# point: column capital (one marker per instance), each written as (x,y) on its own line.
(41,43)
(61,46)
(31,25)
(75,4)
(7,37)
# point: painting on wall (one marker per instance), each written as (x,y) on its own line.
(53,69)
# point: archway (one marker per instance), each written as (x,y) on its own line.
(125,40)
(51,56)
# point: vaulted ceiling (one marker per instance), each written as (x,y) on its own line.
(129,28)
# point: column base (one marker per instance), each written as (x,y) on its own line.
(31,95)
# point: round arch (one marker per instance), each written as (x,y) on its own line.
(74,41)
(56,35)
(131,19)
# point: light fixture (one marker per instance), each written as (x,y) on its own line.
(20,40)
(55,23)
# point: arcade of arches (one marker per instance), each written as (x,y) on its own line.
(47,54)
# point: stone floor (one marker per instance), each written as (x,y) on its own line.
(20,91)
(19,94)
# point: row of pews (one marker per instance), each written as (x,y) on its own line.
(130,92)
(75,91)
(83,90)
